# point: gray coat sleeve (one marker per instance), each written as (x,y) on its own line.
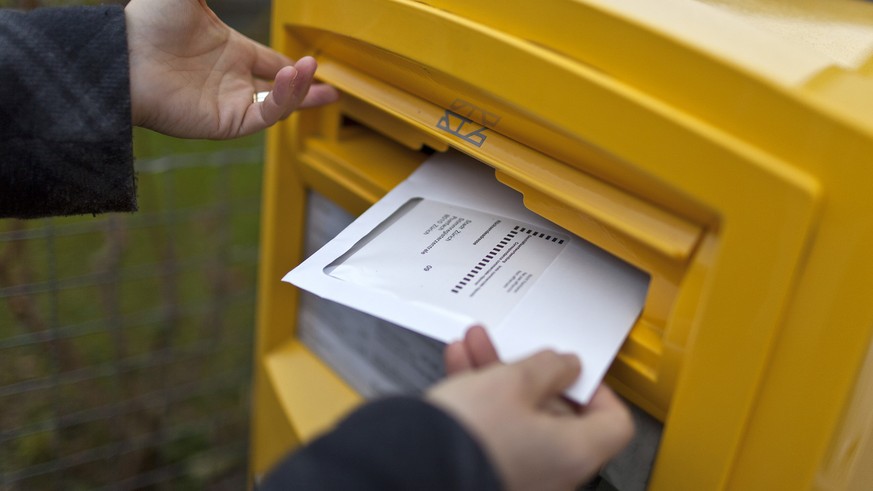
(65,126)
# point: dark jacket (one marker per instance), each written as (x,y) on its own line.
(65,129)
(394,444)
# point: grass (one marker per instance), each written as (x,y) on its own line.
(125,339)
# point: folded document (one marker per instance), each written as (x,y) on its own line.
(451,247)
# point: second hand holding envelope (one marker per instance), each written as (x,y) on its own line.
(451,247)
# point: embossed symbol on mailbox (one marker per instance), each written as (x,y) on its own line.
(475,113)
(468,121)
(463,127)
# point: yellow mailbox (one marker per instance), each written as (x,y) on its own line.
(719,146)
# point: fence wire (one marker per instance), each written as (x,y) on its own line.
(126,339)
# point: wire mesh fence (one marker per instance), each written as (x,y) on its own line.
(125,340)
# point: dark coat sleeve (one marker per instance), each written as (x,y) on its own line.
(65,126)
(391,444)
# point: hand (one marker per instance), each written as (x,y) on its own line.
(477,351)
(507,408)
(192,76)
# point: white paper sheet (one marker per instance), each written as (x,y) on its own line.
(451,247)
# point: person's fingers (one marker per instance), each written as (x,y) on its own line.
(606,427)
(474,351)
(290,86)
(482,352)
(456,358)
(560,406)
(319,95)
(545,374)
(479,347)
(278,104)
(202,5)
(289,89)
(280,98)
(297,86)
(268,61)
(603,398)
(263,85)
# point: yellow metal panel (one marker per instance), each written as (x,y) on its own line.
(730,165)
(362,168)
(357,109)
(518,166)
(299,380)
(272,434)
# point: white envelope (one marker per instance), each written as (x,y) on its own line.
(451,247)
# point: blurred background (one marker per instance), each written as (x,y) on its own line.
(126,339)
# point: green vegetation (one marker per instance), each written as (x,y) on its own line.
(125,339)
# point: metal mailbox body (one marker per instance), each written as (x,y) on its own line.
(733,166)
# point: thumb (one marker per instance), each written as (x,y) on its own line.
(546,374)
